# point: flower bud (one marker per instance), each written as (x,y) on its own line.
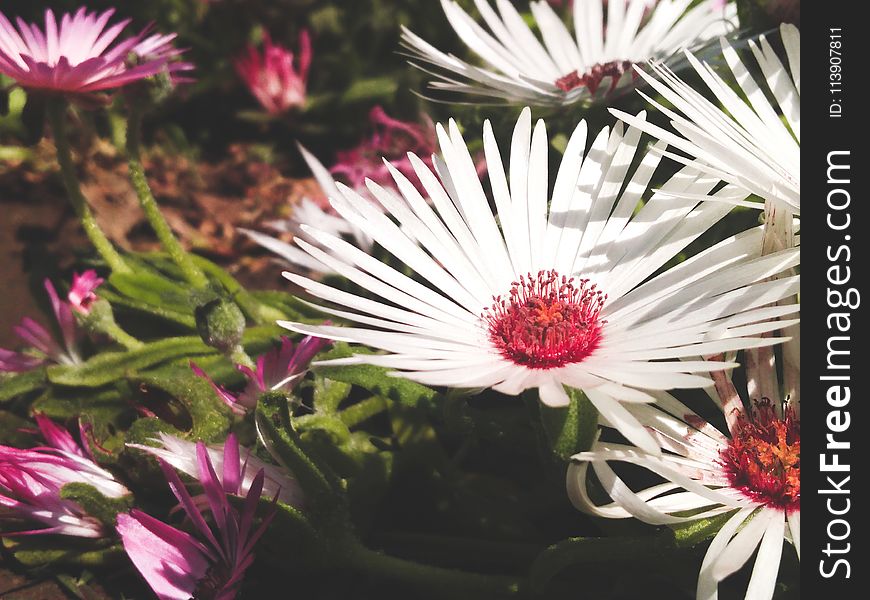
(221,324)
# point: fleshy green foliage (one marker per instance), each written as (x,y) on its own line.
(96,504)
(571,429)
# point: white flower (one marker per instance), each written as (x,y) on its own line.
(751,474)
(565,69)
(310,213)
(559,289)
(747,143)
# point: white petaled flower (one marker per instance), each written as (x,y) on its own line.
(559,288)
(745,142)
(609,37)
(313,214)
(750,472)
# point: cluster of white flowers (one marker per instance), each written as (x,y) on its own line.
(571,284)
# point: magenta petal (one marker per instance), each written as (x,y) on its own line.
(82,292)
(79,53)
(38,336)
(15,362)
(188,503)
(229,399)
(232,470)
(170,560)
(57,436)
(65,318)
(214,493)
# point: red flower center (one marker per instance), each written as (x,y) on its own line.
(593,77)
(763,459)
(547,321)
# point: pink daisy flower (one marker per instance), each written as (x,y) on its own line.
(212,562)
(31,482)
(48,350)
(272,78)
(82,293)
(279,369)
(76,55)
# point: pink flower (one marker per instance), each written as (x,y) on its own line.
(279,369)
(272,78)
(82,292)
(181,454)
(211,564)
(31,482)
(42,341)
(392,140)
(74,57)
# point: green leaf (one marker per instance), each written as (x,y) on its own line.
(185,319)
(570,429)
(101,507)
(40,550)
(285,446)
(210,416)
(104,408)
(694,532)
(153,290)
(370,89)
(11,434)
(111,366)
(329,394)
(377,381)
(289,524)
(290,306)
(21,383)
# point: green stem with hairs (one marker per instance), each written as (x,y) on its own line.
(191,272)
(56,113)
(363,410)
(115,332)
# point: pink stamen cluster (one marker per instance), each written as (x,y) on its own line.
(592,78)
(547,321)
(763,458)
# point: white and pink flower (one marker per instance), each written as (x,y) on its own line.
(83,291)
(749,471)
(46,349)
(560,68)
(31,481)
(278,369)
(555,288)
(212,562)
(181,454)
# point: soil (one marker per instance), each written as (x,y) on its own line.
(204,203)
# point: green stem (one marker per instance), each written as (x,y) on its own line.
(115,332)
(56,112)
(149,206)
(240,357)
(363,410)
(449,583)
